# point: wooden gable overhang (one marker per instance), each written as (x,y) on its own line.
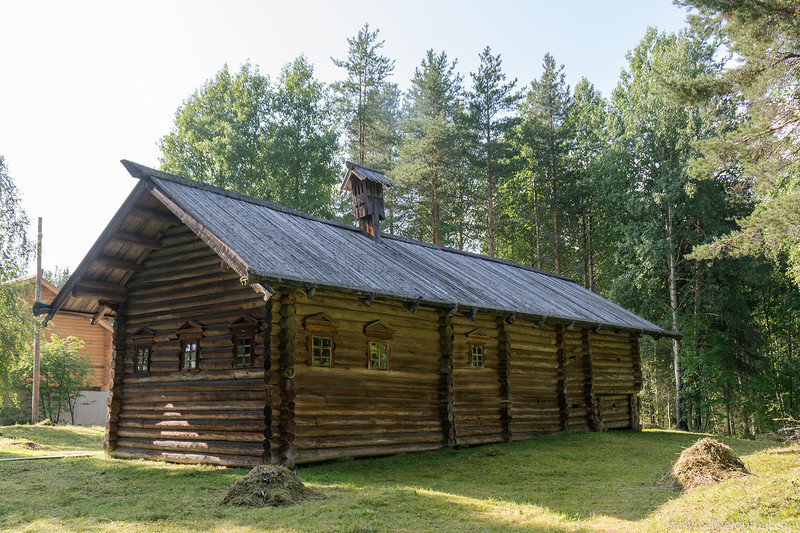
(98,286)
(267,244)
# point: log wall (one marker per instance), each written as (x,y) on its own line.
(536,379)
(617,376)
(477,396)
(350,410)
(215,414)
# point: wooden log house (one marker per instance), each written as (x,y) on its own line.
(248,333)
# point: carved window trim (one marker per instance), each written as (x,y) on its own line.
(321,332)
(378,334)
(190,334)
(476,349)
(244,331)
(143,341)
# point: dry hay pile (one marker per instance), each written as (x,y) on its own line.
(268,485)
(706,462)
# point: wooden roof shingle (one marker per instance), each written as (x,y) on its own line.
(277,245)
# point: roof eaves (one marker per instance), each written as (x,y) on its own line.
(95,250)
(142,172)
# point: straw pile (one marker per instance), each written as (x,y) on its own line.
(268,485)
(706,462)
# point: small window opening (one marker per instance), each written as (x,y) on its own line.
(142,359)
(379,355)
(321,350)
(189,355)
(476,356)
(244,352)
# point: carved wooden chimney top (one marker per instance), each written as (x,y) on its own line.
(366,187)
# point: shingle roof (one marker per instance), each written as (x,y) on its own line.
(283,246)
(365,173)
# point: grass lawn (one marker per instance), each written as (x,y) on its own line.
(566,482)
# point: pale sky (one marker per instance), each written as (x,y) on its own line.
(85,84)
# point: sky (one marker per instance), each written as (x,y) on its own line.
(85,84)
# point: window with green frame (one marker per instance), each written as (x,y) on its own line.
(379,355)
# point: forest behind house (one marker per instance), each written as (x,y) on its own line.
(676,196)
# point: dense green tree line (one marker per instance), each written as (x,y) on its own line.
(676,196)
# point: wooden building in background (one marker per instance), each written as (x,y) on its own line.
(248,333)
(96,336)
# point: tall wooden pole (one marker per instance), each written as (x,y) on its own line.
(38,339)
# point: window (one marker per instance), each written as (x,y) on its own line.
(190,334)
(378,335)
(321,332)
(476,346)
(379,355)
(244,352)
(143,340)
(244,330)
(189,353)
(321,350)
(476,358)
(142,359)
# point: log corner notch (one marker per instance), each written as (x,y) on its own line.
(561,363)
(114,401)
(504,375)
(592,411)
(287,451)
(635,401)
(446,379)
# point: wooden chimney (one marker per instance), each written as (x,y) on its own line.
(366,187)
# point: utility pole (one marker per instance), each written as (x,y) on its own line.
(38,339)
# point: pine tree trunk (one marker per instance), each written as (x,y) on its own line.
(537,222)
(556,229)
(673,303)
(489,190)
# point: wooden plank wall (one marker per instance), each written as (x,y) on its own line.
(96,343)
(350,410)
(214,414)
(476,391)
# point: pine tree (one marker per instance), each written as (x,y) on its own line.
(546,131)
(366,98)
(765,37)
(491,102)
(429,158)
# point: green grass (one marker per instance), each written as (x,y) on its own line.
(567,482)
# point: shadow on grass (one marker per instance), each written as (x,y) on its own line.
(552,483)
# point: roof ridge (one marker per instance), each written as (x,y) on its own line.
(142,172)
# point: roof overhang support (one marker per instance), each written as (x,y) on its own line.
(98,317)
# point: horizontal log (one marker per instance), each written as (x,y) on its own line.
(193,424)
(243,374)
(216,459)
(475,440)
(254,415)
(200,435)
(317,455)
(199,396)
(182,386)
(346,441)
(137,240)
(118,264)
(369,432)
